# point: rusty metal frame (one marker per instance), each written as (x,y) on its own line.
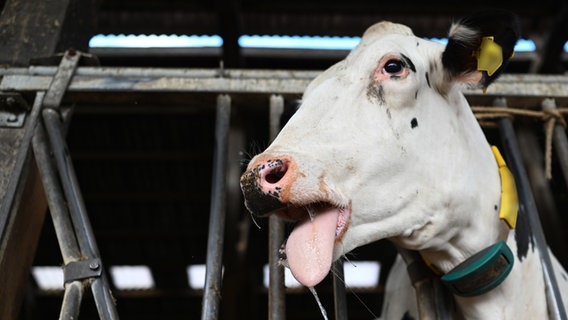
(524,91)
(213,277)
(45,135)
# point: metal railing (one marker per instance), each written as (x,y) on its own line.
(52,84)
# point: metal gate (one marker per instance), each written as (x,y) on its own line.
(513,97)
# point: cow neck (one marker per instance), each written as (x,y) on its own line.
(489,267)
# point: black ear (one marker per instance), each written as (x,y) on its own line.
(480,46)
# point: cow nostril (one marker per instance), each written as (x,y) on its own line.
(274,176)
(276,171)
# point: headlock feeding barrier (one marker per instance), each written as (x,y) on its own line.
(37,131)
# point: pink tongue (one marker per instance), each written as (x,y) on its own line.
(309,248)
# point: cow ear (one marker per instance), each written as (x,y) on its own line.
(480,46)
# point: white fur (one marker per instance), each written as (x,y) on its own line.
(431,188)
(462,33)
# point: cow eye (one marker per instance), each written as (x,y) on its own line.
(393,66)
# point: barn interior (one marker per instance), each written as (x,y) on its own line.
(144,160)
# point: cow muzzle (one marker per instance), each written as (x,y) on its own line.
(269,187)
(265,184)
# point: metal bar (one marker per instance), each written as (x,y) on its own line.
(533,159)
(72,300)
(61,79)
(433,301)
(83,230)
(214,263)
(57,206)
(513,155)
(276,288)
(103,298)
(105,79)
(63,226)
(339,292)
(131,72)
(163,84)
(560,141)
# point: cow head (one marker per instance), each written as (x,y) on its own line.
(384,145)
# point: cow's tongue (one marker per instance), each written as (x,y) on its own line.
(309,248)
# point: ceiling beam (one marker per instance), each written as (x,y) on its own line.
(37,28)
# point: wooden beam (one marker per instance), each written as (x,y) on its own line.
(230,21)
(38,28)
(20,241)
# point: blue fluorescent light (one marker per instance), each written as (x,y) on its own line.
(278,42)
(299,42)
(154,41)
(439,40)
(335,43)
(524,45)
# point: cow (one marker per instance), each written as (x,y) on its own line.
(385,146)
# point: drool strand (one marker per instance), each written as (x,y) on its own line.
(311,212)
(322,309)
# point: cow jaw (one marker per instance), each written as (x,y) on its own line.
(310,246)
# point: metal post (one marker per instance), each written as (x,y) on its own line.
(276,288)
(72,300)
(513,155)
(559,139)
(61,79)
(61,221)
(57,207)
(83,230)
(214,264)
(339,292)
(70,184)
(434,302)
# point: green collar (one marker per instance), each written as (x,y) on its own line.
(488,268)
(482,272)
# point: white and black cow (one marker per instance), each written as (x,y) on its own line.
(385,145)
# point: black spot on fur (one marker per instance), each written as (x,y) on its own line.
(413,123)
(416,95)
(523,233)
(428,80)
(496,207)
(395,77)
(408,62)
(389,114)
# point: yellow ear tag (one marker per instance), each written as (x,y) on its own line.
(509,198)
(489,56)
